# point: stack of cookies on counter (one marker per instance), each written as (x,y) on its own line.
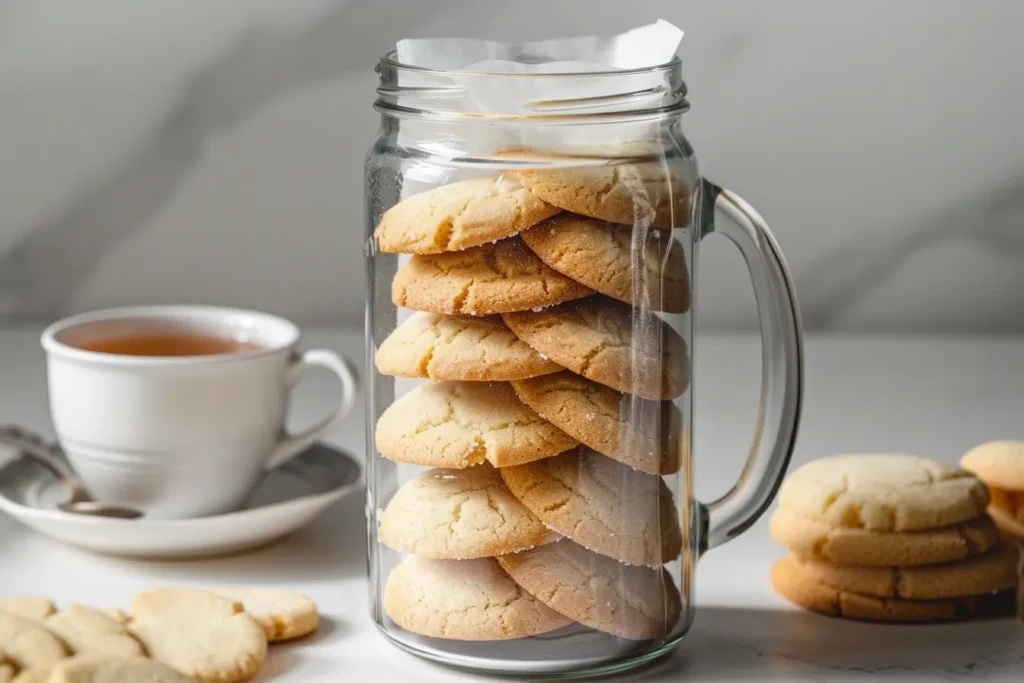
(890,538)
(545,422)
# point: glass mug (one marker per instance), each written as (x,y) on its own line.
(530,271)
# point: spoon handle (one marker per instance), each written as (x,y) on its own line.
(35,447)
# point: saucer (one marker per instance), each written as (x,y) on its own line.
(289,497)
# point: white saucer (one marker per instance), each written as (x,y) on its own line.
(290,497)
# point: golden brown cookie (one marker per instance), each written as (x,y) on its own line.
(90,631)
(601,504)
(635,431)
(629,601)
(459,424)
(791,580)
(596,337)
(464,600)
(997,463)
(1011,528)
(29,606)
(1010,503)
(493,278)
(811,539)
(992,572)
(599,255)
(460,515)
(465,348)
(884,492)
(640,193)
(199,633)
(459,215)
(282,614)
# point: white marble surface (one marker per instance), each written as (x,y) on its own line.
(935,396)
(187,150)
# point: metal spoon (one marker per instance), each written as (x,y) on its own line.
(78,500)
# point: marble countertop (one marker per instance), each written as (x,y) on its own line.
(930,395)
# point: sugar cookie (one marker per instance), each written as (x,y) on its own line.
(596,338)
(997,463)
(464,600)
(114,669)
(884,492)
(90,631)
(494,278)
(199,633)
(792,581)
(630,193)
(458,515)
(459,424)
(26,643)
(639,603)
(30,607)
(282,614)
(441,347)
(459,215)
(599,254)
(601,504)
(641,433)
(810,538)
(992,572)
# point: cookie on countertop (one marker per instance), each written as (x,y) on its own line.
(29,606)
(644,193)
(813,539)
(466,348)
(282,614)
(460,515)
(113,669)
(27,643)
(997,463)
(599,255)
(596,338)
(493,278)
(1010,527)
(460,424)
(1008,502)
(199,633)
(464,600)
(884,492)
(601,504)
(791,579)
(90,631)
(629,601)
(460,215)
(638,432)
(992,572)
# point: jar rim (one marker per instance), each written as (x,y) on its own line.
(390,60)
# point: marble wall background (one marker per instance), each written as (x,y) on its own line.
(211,150)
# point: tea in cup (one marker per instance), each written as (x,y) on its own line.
(179,410)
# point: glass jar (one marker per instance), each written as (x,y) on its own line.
(530,275)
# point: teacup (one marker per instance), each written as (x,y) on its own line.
(179,410)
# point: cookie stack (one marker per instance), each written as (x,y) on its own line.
(890,538)
(1000,464)
(546,417)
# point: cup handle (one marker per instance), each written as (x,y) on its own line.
(291,445)
(782,366)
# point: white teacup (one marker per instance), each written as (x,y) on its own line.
(188,432)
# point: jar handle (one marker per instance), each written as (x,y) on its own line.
(782,365)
